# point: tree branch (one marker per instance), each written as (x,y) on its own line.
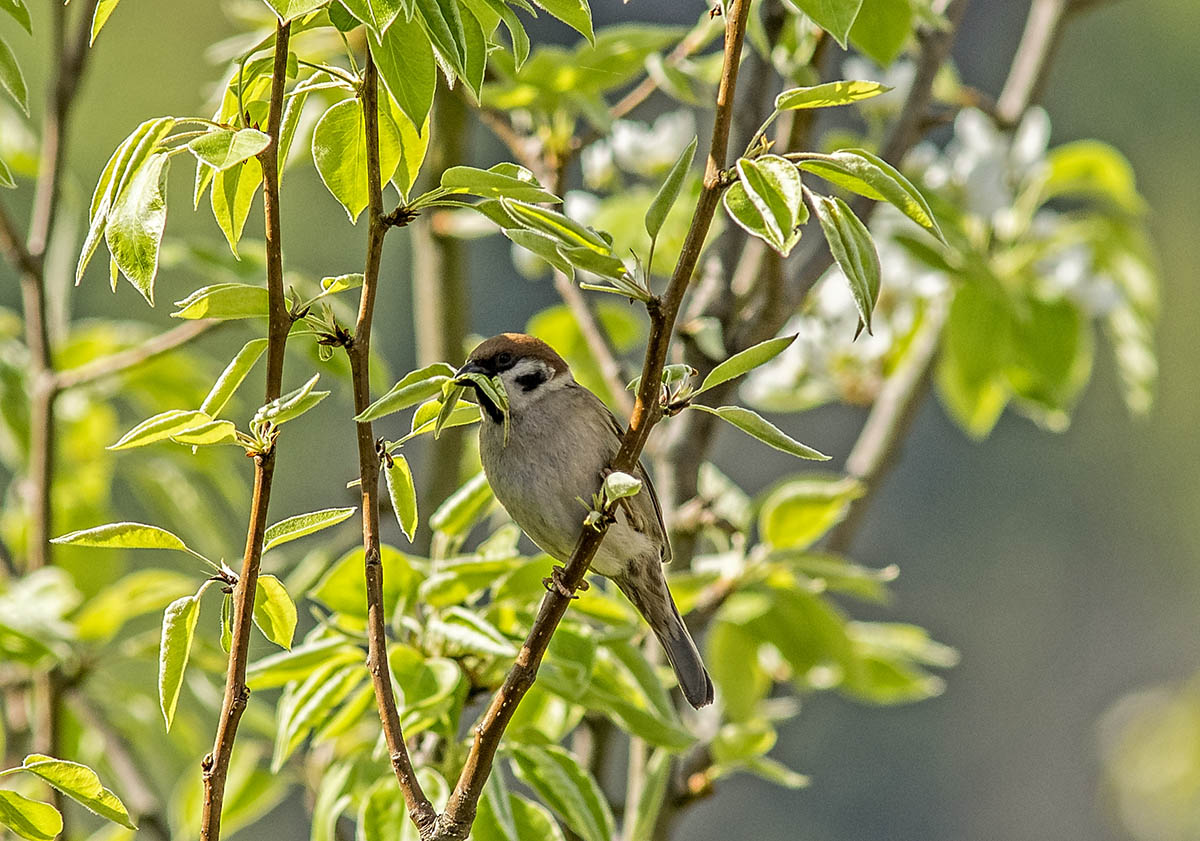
(119,363)
(215,765)
(455,822)
(420,810)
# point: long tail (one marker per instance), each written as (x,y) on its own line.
(646,587)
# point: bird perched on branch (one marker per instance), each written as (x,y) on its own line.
(561,438)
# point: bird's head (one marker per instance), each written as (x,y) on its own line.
(529,368)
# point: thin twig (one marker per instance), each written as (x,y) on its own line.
(13,248)
(215,765)
(456,821)
(420,810)
(123,361)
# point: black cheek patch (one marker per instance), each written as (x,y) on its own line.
(530,381)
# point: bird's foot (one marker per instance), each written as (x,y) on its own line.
(555,582)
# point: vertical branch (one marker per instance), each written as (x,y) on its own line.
(456,821)
(215,765)
(358,349)
(440,293)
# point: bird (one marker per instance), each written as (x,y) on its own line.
(559,443)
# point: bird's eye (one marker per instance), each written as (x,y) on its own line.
(504,359)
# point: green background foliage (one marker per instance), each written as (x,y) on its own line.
(1063,569)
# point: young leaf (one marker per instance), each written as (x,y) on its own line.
(406,65)
(773,186)
(179,624)
(6,176)
(207,434)
(828,95)
(376,14)
(442,21)
(31,819)
(403,494)
(233,192)
(745,361)
(291,405)
(492,184)
(339,149)
(104,10)
(160,427)
(452,393)
(10,77)
(654,789)
(746,214)
(136,223)
(223,148)
(567,788)
(227,623)
(411,389)
(562,228)
(232,376)
(287,10)
(619,486)
(797,513)
(274,611)
(868,175)
(224,300)
(427,414)
(852,248)
(762,429)
(19,12)
(305,706)
(665,198)
(301,525)
(574,13)
(541,245)
(124,536)
(462,508)
(81,784)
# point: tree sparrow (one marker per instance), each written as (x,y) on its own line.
(561,438)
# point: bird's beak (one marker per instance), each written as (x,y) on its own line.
(471,367)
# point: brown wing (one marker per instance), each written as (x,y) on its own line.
(644,476)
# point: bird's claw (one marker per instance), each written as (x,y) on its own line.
(555,582)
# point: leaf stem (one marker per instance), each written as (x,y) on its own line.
(215,766)
(420,810)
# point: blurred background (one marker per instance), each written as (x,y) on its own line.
(1063,567)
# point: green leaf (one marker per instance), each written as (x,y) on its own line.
(136,222)
(233,375)
(828,95)
(882,29)
(301,525)
(665,198)
(976,347)
(233,192)
(834,16)
(464,507)
(619,486)
(427,414)
(773,186)
(223,148)
(574,13)
(403,494)
(556,225)
(1095,170)
(451,394)
(10,77)
(208,434)
(854,251)
(124,536)
(30,819)
(227,623)
(291,405)
(224,300)
(274,611)
(775,771)
(343,590)
(1052,358)
(442,22)
(404,58)
(868,175)
(339,148)
(411,389)
(378,15)
(745,361)
(306,705)
(567,788)
(762,429)
(17,10)
(492,184)
(124,163)
(81,784)
(160,427)
(179,624)
(652,796)
(475,52)
(745,213)
(295,665)
(288,9)
(541,245)
(6,176)
(797,513)
(104,10)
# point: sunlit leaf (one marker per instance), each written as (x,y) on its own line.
(854,250)
(289,9)
(574,13)
(291,405)
(411,389)
(665,198)
(798,512)
(20,13)
(160,427)
(31,819)
(178,627)
(828,95)
(745,361)
(490,183)
(274,611)
(233,375)
(224,300)
(339,148)
(406,65)
(136,222)
(567,788)
(304,524)
(223,148)
(403,494)
(762,429)
(11,78)
(124,536)
(81,784)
